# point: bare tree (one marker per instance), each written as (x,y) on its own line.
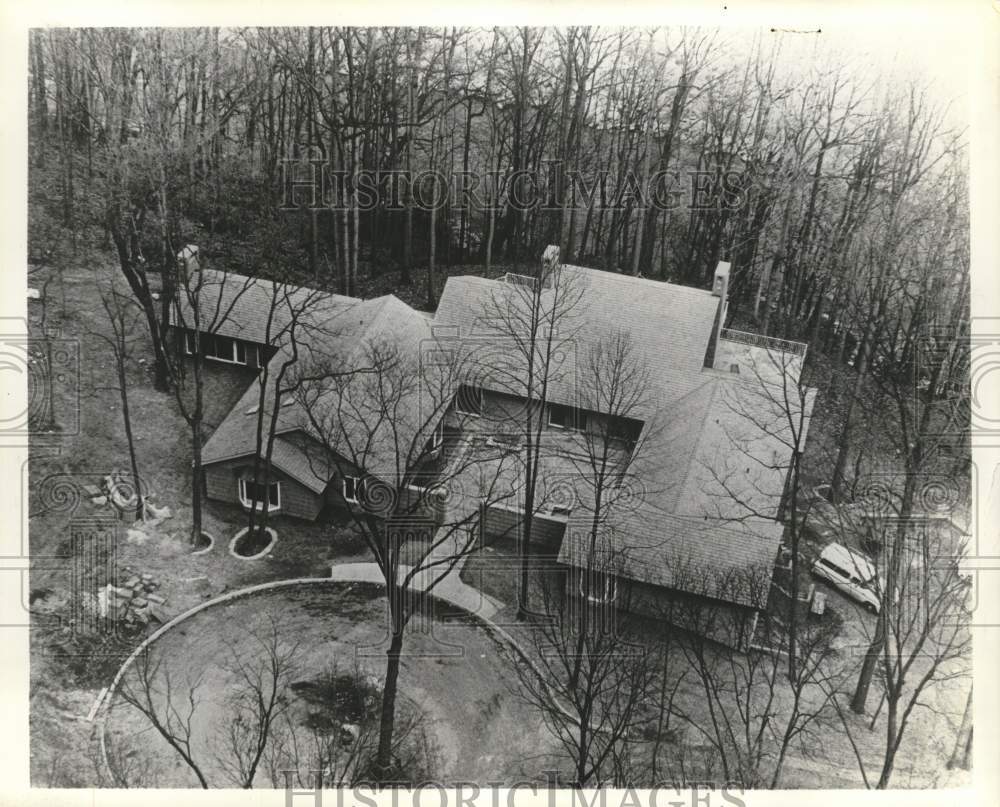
(124,315)
(377,415)
(46,419)
(608,436)
(595,678)
(587,677)
(296,320)
(204,304)
(336,739)
(766,419)
(127,762)
(922,633)
(743,703)
(149,688)
(532,320)
(916,419)
(256,701)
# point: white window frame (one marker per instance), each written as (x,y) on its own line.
(358,487)
(553,408)
(576,419)
(189,342)
(458,399)
(562,512)
(436,440)
(237,347)
(249,503)
(610,587)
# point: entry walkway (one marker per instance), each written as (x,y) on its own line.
(450,588)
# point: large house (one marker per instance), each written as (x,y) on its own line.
(704,446)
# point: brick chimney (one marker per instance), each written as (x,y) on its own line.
(550,265)
(720,289)
(187,260)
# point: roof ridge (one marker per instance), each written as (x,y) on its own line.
(649,281)
(264,281)
(701,431)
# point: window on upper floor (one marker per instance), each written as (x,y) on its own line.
(469,400)
(436,440)
(567,417)
(598,586)
(219,348)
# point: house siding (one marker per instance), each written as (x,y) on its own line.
(501,521)
(221,484)
(722,622)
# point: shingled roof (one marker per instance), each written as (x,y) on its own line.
(726,560)
(254,309)
(343,345)
(669,325)
(715,446)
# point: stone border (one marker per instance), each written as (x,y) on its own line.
(209,548)
(265,551)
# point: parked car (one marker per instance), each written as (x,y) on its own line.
(851,572)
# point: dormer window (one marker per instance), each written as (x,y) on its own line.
(217,348)
(567,417)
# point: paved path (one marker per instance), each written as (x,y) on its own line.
(450,588)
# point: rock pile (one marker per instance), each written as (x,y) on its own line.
(135,603)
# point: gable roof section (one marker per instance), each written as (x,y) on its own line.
(669,325)
(380,441)
(345,340)
(669,443)
(715,448)
(240,307)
